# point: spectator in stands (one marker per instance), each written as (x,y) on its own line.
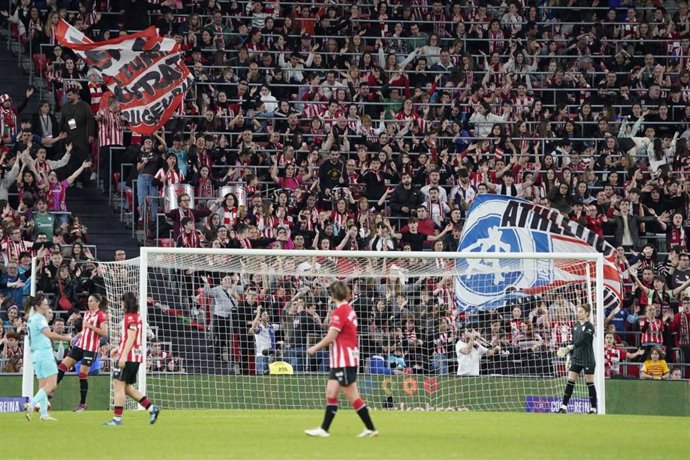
(224,308)
(676,373)
(120,255)
(111,124)
(42,166)
(65,288)
(678,265)
(619,318)
(12,317)
(442,339)
(405,198)
(613,356)
(185,211)
(307,326)
(332,173)
(264,340)
(169,174)
(14,246)
(189,237)
(79,124)
(246,310)
(156,359)
(12,348)
(627,233)
(527,340)
(42,221)
(469,350)
(13,283)
(149,161)
(91,279)
(60,347)
(46,126)
(77,233)
(497,335)
(655,368)
(57,191)
(680,326)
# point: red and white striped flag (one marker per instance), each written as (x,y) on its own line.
(145,72)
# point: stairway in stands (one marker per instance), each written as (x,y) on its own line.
(104,227)
(15,80)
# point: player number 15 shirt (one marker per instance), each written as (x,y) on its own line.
(344,350)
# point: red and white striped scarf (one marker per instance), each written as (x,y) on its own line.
(339,219)
(204,187)
(191,239)
(244,242)
(496,41)
(96,92)
(8,122)
(14,249)
(53,37)
(442,344)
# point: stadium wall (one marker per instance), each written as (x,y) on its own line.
(622,396)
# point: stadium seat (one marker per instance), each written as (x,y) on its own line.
(631,370)
(166,242)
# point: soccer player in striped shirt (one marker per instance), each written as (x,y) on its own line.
(129,358)
(344,359)
(41,348)
(94,326)
(582,359)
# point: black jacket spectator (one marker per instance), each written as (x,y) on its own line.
(409,198)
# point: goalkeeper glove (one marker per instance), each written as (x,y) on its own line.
(562,352)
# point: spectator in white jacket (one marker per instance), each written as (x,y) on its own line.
(484,120)
(294,68)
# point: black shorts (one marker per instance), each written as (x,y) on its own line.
(86,357)
(128,374)
(344,375)
(589,370)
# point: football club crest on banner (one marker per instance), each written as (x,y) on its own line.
(502,224)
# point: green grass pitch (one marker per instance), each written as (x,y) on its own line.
(258,434)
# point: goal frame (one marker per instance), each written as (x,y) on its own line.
(28,381)
(598,258)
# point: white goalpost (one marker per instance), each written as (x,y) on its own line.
(201,308)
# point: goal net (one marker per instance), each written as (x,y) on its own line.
(437,331)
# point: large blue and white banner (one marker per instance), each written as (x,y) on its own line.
(503,224)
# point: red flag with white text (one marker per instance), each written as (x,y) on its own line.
(145,72)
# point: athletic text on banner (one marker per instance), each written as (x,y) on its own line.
(503,224)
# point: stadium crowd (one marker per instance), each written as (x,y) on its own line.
(373,125)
